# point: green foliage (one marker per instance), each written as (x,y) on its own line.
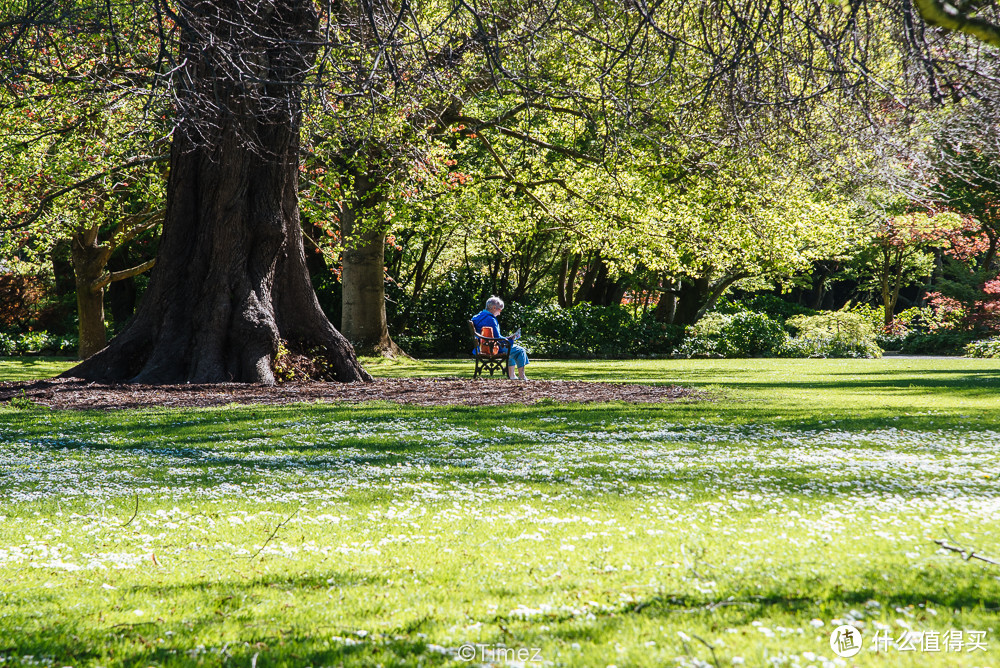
(741,334)
(595,331)
(23,402)
(893,342)
(940,342)
(984,348)
(872,316)
(8,345)
(833,324)
(770,305)
(435,324)
(833,334)
(747,334)
(37,343)
(800,346)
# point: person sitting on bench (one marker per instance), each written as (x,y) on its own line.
(518,357)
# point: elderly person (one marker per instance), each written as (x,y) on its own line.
(518,357)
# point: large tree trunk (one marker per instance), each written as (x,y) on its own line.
(230,281)
(363,319)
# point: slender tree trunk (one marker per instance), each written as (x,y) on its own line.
(419,273)
(121,294)
(691,297)
(587,282)
(89,260)
(598,293)
(363,318)
(230,281)
(62,267)
(817,303)
(890,291)
(666,306)
(991,252)
(567,276)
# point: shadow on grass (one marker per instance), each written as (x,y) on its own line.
(143,645)
(949,380)
(230,629)
(187,441)
(962,592)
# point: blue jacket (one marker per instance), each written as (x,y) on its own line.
(486,319)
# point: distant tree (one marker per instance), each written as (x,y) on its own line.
(77,167)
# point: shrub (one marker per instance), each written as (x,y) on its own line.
(592,331)
(833,334)
(892,342)
(984,348)
(801,346)
(843,325)
(33,343)
(435,324)
(770,305)
(741,334)
(8,345)
(20,295)
(916,319)
(940,342)
(37,343)
(23,402)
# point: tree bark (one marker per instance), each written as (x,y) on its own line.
(89,260)
(666,306)
(692,295)
(230,281)
(587,282)
(122,295)
(567,277)
(363,319)
(62,267)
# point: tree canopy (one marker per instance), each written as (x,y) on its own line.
(684,148)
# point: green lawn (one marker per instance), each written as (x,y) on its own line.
(737,531)
(32,368)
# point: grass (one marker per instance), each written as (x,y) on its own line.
(697,533)
(32,368)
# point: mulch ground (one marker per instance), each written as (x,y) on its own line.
(79,395)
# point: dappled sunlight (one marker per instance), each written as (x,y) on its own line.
(617,533)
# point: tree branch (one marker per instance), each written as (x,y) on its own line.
(112,276)
(573,153)
(45,202)
(948,16)
(966,554)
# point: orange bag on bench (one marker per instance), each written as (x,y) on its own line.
(488,347)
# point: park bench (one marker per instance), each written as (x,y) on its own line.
(490,353)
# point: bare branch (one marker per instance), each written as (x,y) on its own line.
(966,554)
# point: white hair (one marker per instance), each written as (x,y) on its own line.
(494,301)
